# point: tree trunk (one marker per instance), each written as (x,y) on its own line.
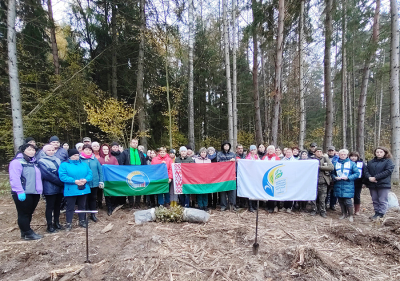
(18,129)
(278,72)
(302,134)
(234,75)
(327,75)
(350,116)
(378,139)
(190,84)
(140,76)
(394,89)
(344,76)
(256,94)
(53,38)
(114,80)
(364,85)
(228,72)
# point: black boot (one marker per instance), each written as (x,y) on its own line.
(31,235)
(68,227)
(82,223)
(50,228)
(57,225)
(110,210)
(93,217)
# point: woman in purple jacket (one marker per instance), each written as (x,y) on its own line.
(26,187)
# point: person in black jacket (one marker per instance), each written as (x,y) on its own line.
(358,183)
(133,156)
(53,187)
(379,172)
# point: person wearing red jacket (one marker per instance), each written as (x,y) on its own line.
(163,157)
(272,205)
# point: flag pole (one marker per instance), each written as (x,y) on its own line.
(256,245)
(87,231)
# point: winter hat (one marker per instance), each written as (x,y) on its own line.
(28,139)
(47,147)
(78,145)
(25,146)
(72,152)
(252,147)
(54,138)
(114,143)
(188,147)
(172,151)
(182,148)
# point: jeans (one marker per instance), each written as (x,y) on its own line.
(202,200)
(184,200)
(25,210)
(379,199)
(163,198)
(53,204)
(71,201)
(231,197)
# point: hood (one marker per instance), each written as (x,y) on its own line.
(223,144)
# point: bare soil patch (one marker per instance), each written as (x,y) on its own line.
(292,247)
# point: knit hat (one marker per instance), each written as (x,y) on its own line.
(182,148)
(188,147)
(114,143)
(28,139)
(252,147)
(72,152)
(25,146)
(172,151)
(47,147)
(54,138)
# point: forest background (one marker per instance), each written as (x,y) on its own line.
(198,72)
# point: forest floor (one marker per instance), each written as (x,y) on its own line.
(291,247)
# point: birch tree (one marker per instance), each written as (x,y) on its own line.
(228,71)
(278,73)
(53,38)
(234,75)
(18,130)
(364,85)
(190,84)
(344,75)
(394,88)
(114,80)
(301,84)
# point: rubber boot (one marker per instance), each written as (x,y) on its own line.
(357,209)
(351,213)
(344,211)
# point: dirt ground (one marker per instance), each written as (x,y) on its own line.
(291,247)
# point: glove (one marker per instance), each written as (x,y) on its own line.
(21,197)
(101,185)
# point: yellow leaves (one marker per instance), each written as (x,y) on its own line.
(110,116)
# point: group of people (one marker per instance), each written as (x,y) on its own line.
(73,176)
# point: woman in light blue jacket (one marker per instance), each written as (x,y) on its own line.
(75,175)
(87,156)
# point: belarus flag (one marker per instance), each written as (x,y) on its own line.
(192,178)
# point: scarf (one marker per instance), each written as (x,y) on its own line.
(51,162)
(272,157)
(134,156)
(85,155)
(360,165)
(346,168)
(115,153)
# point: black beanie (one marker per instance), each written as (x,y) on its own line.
(72,151)
(114,143)
(25,146)
(54,138)
(28,139)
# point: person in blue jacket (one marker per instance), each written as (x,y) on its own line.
(53,187)
(344,174)
(87,156)
(75,175)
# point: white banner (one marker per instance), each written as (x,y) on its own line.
(278,180)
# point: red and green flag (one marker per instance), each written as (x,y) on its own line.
(192,178)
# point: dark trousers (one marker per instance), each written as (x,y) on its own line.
(151,200)
(134,199)
(110,201)
(252,204)
(25,210)
(231,194)
(184,200)
(92,198)
(319,203)
(99,197)
(71,201)
(330,197)
(288,204)
(357,192)
(380,199)
(53,205)
(271,204)
(212,199)
(202,200)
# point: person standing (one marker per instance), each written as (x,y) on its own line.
(344,174)
(75,174)
(278,152)
(133,156)
(115,152)
(379,173)
(172,155)
(226,155)
(325,167)
(162,157)
(358,183)
(262,151)
(288,205)
(240,201)
(106,158)
(202,199)
(26,187)
(151,199)
(53,187)
(296,152)
(96,149)
(313,147)
(88,157)
(331,200)
(61,153)
(272,205)
(252,156)
(184,199)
